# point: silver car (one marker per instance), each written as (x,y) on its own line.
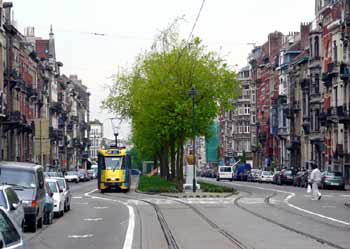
(12,204)
(10,234)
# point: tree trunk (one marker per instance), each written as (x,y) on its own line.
(166,161)
(172,159)
(161,162)
(180,175)
(178,182)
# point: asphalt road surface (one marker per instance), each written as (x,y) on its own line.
(261,216)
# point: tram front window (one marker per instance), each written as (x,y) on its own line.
(114,163)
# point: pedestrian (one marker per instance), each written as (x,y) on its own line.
(315,179)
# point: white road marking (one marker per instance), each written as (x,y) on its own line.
(84,236)
(93,219)
(77,197)
(101,207)
(345,195)
(291,195)
(131,226)
(329,206)
(80,203)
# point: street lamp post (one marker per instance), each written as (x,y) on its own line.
(193,93)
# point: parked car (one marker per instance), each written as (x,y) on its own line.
(225,173)
(58,197)
(301,179)
(286,176)
(265,176)
(66,192)
(332,180)
(49,203)
(92,174)
(83,175)
(72,176)
(10,234)
(27,179)
(253,175)
(12,204)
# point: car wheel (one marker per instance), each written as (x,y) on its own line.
(76,181)
(68,207)
(33,227)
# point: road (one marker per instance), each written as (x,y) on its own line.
(261,216)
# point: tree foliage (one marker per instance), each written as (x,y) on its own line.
(155,95)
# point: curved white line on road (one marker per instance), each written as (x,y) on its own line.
(129,237)
(291,195)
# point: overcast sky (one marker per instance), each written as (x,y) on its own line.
(130,26)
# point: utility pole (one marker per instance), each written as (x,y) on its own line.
(193,93)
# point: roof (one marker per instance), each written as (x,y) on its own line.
(23,165)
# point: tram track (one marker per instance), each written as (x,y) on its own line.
(259,215)
(170,238)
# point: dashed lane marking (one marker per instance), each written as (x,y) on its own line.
(77,197)
(80,203)
(84,236)
(101,207)
(93,219)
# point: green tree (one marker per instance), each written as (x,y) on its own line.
(154,95)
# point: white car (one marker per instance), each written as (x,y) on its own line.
(265,176)
(72,176)
(225,173)
(58,196)
(12,204)
(10,234)
(66,192)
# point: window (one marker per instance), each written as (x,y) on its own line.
(240,129)
(317,47)
(11,196)
(311,52)
(246,109)
(335,51)
(8,230)
(317,83)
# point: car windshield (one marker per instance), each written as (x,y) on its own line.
(287,172)
(17,178)
(225,169)
(113,163)
(61,183)
(334,174)
(267,173)
(71,173)
(53,186)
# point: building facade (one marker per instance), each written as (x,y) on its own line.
(96,136)
(36,100)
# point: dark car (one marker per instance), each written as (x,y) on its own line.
(332,180)
(286,176)
(301,179)
(27,179)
